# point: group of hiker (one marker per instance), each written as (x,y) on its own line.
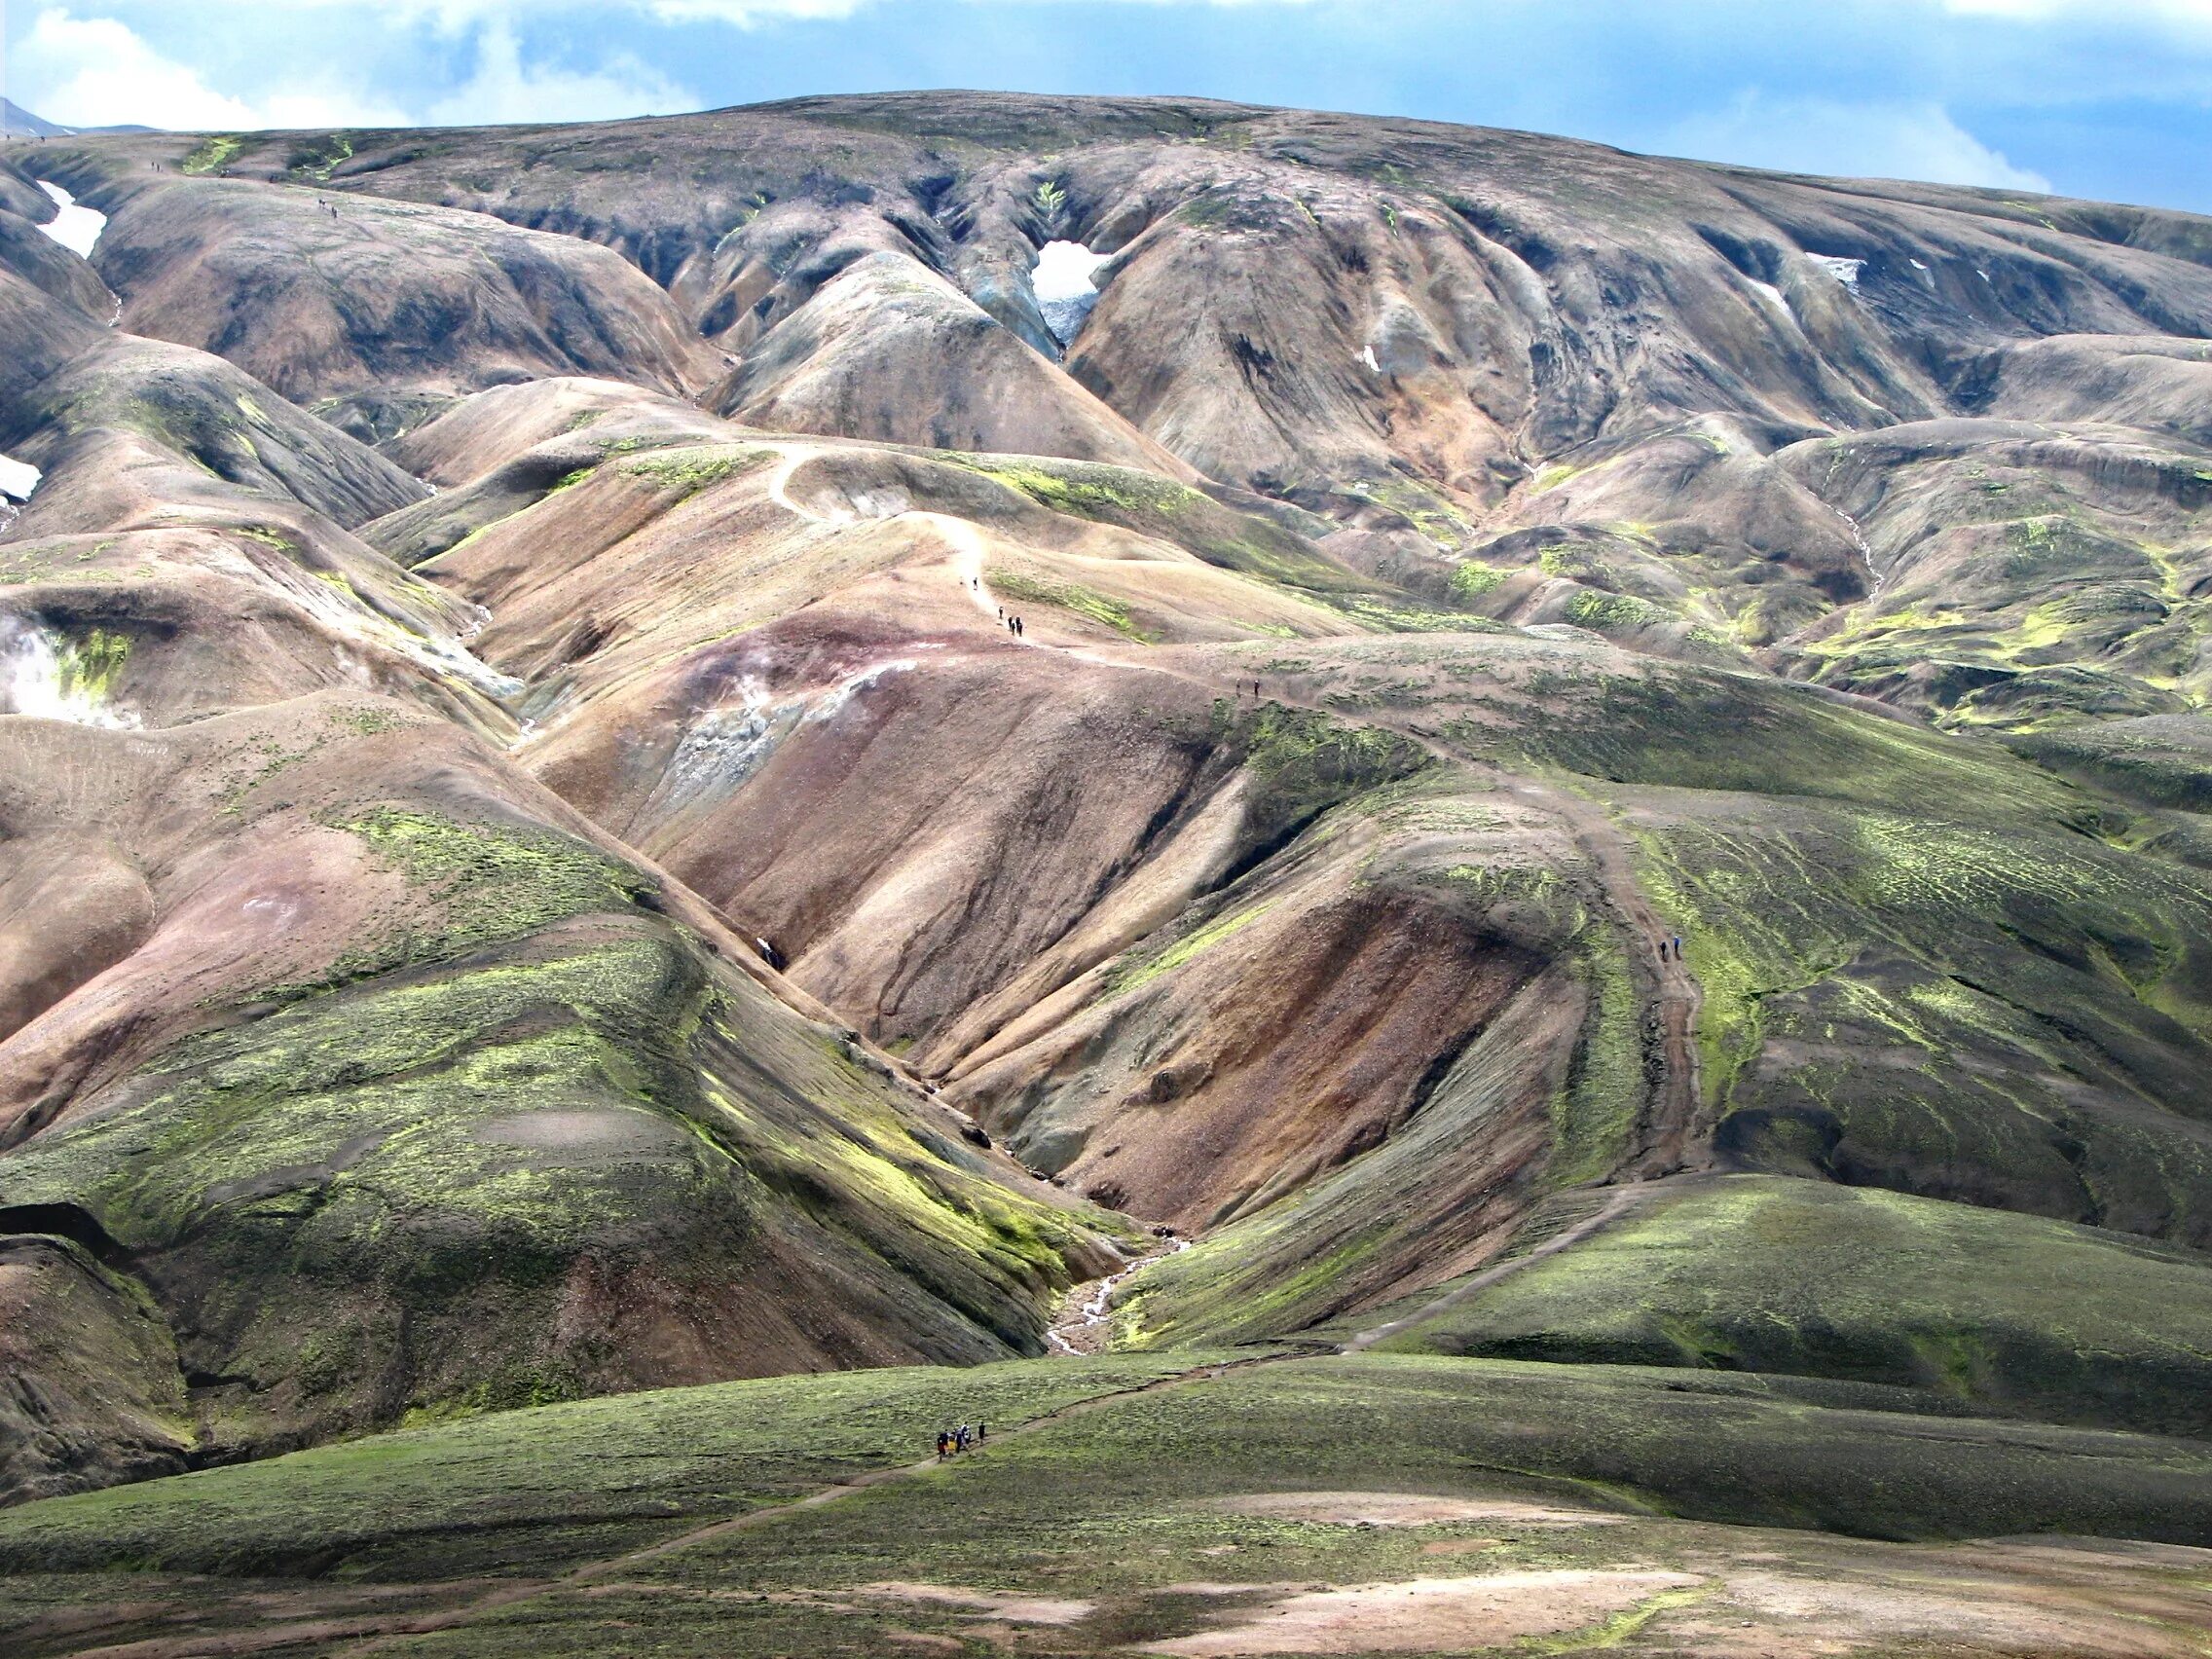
(1011,624)
(952,1440)
(326,207)
(1674,945)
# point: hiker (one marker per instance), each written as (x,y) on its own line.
(982,1432)
(944,1442)
(1678,947)
(769,954)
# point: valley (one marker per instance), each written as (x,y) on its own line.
(1472,870)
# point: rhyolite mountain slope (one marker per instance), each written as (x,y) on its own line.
(482,582)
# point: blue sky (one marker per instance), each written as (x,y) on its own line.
(2108,98)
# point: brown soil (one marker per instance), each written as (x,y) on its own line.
(1408,1509)
(1433,1616)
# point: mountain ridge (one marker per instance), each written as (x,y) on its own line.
(1567,708)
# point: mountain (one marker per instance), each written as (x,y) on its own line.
(15,121)
(1603,781)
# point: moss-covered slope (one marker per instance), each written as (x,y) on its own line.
(2002,1312)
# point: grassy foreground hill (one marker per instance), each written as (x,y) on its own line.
(1204,1504)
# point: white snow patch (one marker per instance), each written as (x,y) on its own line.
(1062,281)
(77,229)
(18,479)
(1844,270)
(1918,265)
(45,681)
(1983,274)
(1366,356)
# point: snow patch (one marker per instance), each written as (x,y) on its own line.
(1366,356)
(1774,295)
(1917,265)
(1062,280)
(1844,270)
(77,229)
(47,681)
(18,479)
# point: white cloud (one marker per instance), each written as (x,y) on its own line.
(2197,12)
(456,15)
(745,13)
(1904,139)
(504,89)
(96,72)
(2188,22)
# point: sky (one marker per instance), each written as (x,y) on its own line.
(2102,99)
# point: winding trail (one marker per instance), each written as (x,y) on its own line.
(963,537)
(375,1632)
(1673,996)
(968,568)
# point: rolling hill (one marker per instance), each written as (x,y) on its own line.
(1602,781)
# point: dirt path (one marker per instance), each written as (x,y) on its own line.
(373,1633)
(1672,998)
(1623,1200)
(968,568)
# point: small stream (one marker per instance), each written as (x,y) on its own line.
(1081,1328)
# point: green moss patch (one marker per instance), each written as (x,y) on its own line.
(521,1491)
(689,470)
(2004,1312)
(471,884)
(214,153)
(1070,596)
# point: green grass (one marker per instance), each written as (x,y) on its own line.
(1118,1506)
(1943,1007)
(2008,1314)
(1070,596)
(520,1492)
(690,470)
(1135,972)
(473,884)
(214,153)
(1170,512)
